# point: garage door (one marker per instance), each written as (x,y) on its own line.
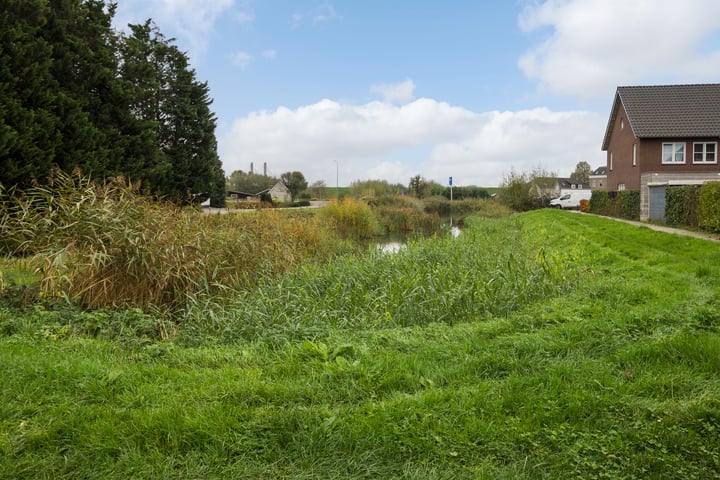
(656,203)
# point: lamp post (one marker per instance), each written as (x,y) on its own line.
(451,198)
(337,179)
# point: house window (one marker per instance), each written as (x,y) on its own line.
(634,154)
(621,186)
(673,153)
(705,152)
(622,123)
(611,161)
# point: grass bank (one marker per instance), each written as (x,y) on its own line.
(546,345)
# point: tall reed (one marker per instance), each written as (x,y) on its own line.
(352,218)
(107,245)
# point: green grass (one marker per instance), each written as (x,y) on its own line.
(547,345)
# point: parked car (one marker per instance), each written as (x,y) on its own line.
(571,200)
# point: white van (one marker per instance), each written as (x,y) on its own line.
(571,199)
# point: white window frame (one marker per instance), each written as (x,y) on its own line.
(611,161)
(674,146)
(621,187)
(634,154)
(704,152)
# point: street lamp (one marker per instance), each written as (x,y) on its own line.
(337,179)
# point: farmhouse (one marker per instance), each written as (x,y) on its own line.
(662,135)
(278,191)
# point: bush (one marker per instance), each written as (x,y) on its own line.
(629,204)
(622,204)
(584,205)
(600,202)
(709,207)
(681,205)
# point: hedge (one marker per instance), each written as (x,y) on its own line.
(681,205)
(709,207)
(623,204)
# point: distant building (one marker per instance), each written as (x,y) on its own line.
(598,179)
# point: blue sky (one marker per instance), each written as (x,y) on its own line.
(360,90)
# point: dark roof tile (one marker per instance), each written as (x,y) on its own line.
(669,110)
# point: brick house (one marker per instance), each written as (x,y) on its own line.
(598,179)
(662,135)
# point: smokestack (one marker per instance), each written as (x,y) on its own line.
(251,167)
(265,169)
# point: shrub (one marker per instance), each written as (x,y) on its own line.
(709,207)
(629,204)
(600,202)
(584,205)
(623,204)
(681,204)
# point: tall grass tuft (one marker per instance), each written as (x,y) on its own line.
(352,218)
(106,245)
(403,215)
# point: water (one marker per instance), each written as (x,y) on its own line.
(395,245)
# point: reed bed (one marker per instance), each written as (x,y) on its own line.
(108,245)
(493,268)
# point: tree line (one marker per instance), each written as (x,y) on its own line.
(77,94)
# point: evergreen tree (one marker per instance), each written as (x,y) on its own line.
(28,121)
(167,96)
(73,93)
(89,99)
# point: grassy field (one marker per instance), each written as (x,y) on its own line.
(543,345)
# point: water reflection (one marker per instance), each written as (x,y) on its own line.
(395,245)
(392,247)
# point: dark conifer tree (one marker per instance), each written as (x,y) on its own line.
(28,90)
(168,96)
(74,93)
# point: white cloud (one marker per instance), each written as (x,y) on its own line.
(325,12)
(241,59)
(395,92)
(321,14)
(595,45)
(191,21)
(269,54)
(384,141)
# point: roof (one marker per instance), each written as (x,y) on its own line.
(600,171)
(678,111)
(568,183)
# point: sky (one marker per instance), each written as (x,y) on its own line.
(350,90)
